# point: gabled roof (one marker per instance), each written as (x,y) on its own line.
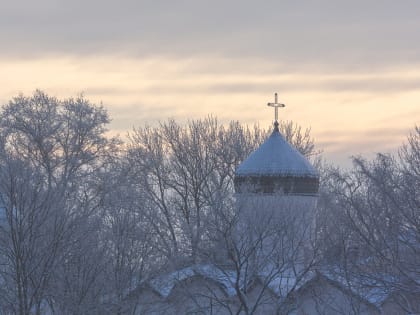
(276,157)
(285,284)
(165,283)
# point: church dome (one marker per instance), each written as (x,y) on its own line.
(276,157)
(276,167)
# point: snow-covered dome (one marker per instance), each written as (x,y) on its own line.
(276,167)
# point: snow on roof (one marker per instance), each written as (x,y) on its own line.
(225,278)
(280,284)
(276,157)
(164,284)
(283,283)
(367,289)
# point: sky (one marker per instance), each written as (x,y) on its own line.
(349,70)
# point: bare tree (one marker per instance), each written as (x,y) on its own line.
(127,237)
(265,250)
(78,213)
(49,150)
(376,229)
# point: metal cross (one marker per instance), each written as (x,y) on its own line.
(276,106)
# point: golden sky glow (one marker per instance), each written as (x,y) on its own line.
(353,113)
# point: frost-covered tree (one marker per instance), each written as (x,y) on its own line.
(49,152)
(127,238)
(372,216)
(266,255)
(84,220)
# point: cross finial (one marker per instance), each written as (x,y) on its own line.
(276,106)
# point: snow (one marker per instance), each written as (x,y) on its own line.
(276,157)
(369,290)
(281,285)
(284,283)
(165,283)
(226,278)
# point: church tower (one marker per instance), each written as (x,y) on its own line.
(277,180)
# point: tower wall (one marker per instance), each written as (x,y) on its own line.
(278,208)
(285,222)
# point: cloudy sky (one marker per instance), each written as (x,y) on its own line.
(350,70)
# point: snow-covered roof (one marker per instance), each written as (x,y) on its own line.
(165,283)
(282,284)
(372,291)
(276,157)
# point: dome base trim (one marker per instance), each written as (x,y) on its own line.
(288,185)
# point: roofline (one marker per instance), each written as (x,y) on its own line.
(239,194)
(291,175)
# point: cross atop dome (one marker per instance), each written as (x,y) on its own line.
(276,105)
